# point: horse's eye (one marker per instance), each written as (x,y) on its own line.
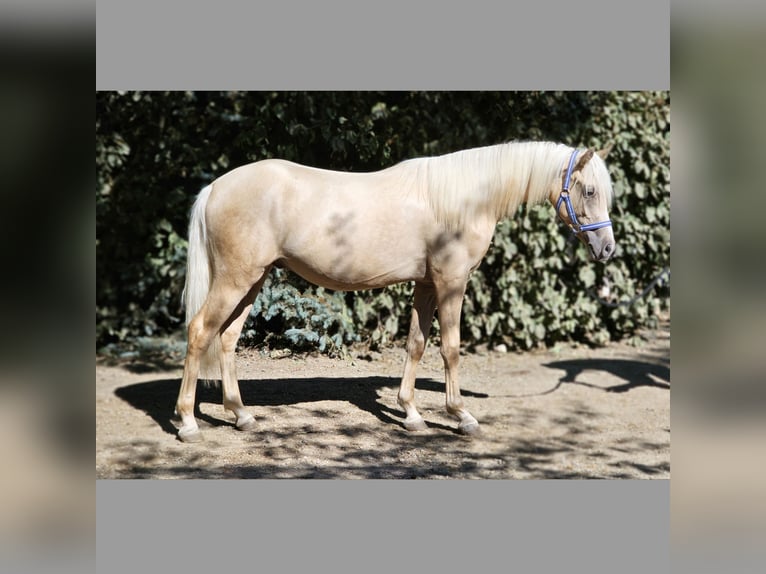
(590,191)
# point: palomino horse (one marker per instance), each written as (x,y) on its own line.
(427,220)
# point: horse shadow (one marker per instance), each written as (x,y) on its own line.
(157,398)
(634,373)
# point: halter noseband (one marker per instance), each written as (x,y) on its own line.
(564,196)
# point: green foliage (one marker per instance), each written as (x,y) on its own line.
(307,318)
(154,151)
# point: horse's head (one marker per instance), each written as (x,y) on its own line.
(583,199)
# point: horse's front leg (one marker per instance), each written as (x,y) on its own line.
(422,315)
(450,303)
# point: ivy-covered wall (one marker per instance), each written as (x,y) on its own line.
(155,151)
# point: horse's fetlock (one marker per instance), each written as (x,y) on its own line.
(455,406)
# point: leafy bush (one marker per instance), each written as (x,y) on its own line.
(154,151)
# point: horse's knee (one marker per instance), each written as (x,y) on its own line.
(451,355)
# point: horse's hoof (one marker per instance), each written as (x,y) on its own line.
(248,424)
(190,435)
(415,425)
(469,429)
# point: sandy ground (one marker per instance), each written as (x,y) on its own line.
(570,413)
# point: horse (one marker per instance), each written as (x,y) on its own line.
(428,220)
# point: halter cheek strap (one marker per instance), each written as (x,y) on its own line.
(564,197)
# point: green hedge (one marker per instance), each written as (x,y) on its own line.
(154,151)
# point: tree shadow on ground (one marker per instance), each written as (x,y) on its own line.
(313,451)
(538,444)
(157,398)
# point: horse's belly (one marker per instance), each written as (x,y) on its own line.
(355,244)
(358,272)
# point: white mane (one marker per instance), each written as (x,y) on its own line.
(494,180)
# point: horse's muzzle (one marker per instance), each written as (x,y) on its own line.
(604,254)
(601,244)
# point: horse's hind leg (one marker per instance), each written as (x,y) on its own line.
(206,324)
(422,315)
(232,401)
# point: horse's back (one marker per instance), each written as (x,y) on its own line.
(308,191)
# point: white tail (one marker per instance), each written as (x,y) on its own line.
(198,281)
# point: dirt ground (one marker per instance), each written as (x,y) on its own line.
(574,412)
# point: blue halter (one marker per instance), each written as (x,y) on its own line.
(564,196)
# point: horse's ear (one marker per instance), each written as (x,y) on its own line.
(602,153)
(583,159)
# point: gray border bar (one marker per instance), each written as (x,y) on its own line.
(397,44)
(366,526)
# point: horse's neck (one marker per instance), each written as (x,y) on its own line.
(490,182)
(527,174)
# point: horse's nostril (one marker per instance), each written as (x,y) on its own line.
(608,248)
